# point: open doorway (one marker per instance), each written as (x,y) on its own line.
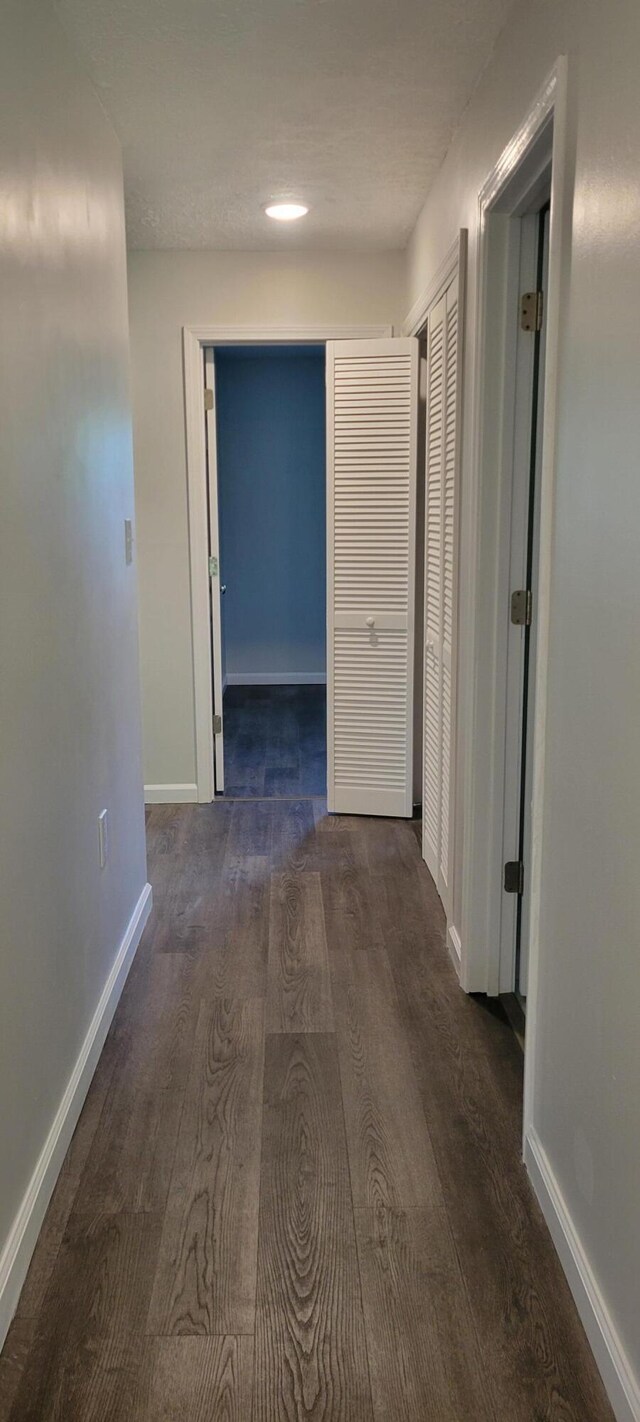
(266,454)
(528,338)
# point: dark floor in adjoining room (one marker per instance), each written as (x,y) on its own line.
(275,741)
(295,1192)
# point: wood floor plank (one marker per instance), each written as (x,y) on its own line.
(189,902)
(414,927)
(311,1359)
(238,967)
(293,836)
(12,1361)
(205,1280)
(141,1302)
(157,1026)
(200,1380)
(102,1380)
(131,1159)
(299,989)
(541,1364)
(390,1153)
(275,740)
(65,1192)
(99,1290)
(424,1357)
(250,828)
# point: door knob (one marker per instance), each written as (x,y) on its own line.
(370,621)
(223,587)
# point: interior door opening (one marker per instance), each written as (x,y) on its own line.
(529,383)
(531,586)
(266,456)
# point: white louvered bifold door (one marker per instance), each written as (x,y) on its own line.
(441,574)
(431,791)
(372,407)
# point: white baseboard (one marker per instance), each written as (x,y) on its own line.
(622,1387)
(276,678)
(455,948)
(23,1235)
(170,794)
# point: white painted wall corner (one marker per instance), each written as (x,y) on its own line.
(622,1387)
(16,1255)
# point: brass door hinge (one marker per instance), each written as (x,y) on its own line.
(531,304)
(208,399)
(213,567)
(521,607)
(217,725)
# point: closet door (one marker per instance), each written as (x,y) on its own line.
(372,399)
(432,758)
(441,579)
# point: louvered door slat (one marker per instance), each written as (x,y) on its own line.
(432,758)
(441,513)
(371,447)
(448,578)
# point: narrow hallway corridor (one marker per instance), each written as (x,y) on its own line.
(295,1191)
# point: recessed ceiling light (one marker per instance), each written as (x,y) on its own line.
(286,211)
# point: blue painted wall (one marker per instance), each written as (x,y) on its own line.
(271,478)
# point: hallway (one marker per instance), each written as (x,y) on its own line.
(295,1190)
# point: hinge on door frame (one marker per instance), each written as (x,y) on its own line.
(531,305)
(521,607)
(514,876)
(213,567)
(208,399)
(217,725)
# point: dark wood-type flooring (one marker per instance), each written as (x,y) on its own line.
(295,1190)
(275,741)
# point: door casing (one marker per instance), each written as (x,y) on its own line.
(195,339)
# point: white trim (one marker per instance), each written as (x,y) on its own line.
(284,335)
(415,322)
(544,128)
(170,794)
(622,1387)
(215,594)
(194,339)
(199,564)
(23,1235)
(276,679)
(559,264)
(455,948)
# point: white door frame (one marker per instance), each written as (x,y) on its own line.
(215,594)
(508,191)
(194,341)
(523,240)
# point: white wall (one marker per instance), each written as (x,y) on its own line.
(69,691)
(587,1097)
(166,291)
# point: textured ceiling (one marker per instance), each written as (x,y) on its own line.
(224,104)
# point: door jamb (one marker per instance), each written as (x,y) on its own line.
(542,136)
(194,339)
(522,243)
